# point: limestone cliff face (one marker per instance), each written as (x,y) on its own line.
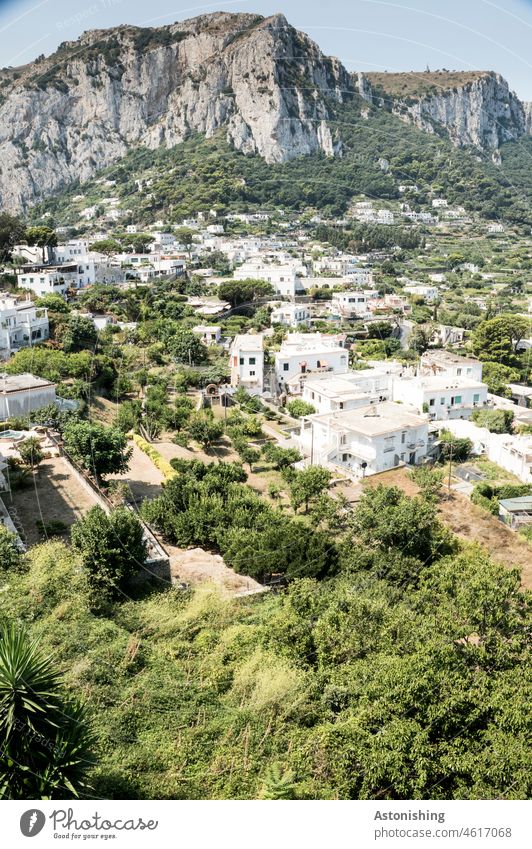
(81,109)
(482,111)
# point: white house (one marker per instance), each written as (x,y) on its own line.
(366,440)
(328,393)
(48,279)
(428,293)
(210,334)
(301,353)
(359,276)
(290,315)
(511,452)
(283,277)
(349,304)
(21,324)
(441,396)
(22,393)
(449,364)
(246,357)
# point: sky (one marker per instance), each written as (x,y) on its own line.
(367,35)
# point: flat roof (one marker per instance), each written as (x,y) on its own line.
(21,382)
(524,502)
(442,381)
(340,385)
(448,357)
(248,341)
(375,419)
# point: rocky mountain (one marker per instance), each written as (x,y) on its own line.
(473,108)
(65,117)
(267,86)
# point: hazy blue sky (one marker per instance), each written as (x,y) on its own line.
(400,35)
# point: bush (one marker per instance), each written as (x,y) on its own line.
(298,408)
(156,458)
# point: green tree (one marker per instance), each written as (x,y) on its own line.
(248,454)
(12,232)
(46,739)
(280,457)
(100,450)
(186,347)
(106,246)
(308,485)
(454,447)
(420,338)
(204,429)
(244,291)
(496,421)
(497,339)
(498,377)
(10,553)
(387,519)
(30,451)
(112,550)
(54,303)
(42,237)
(79,333)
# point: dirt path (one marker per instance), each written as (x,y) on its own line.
(54,494)
(472,523)
(194,565)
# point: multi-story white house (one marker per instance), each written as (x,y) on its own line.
(49,279)
(510,451)
(441,396)
(450,364)
(304,353)
(428,293)
(350,304)
(246,357)
(367,440)
(359,276)
(21,324)
(329,393)
(284,277)
(22,393)
(290,315)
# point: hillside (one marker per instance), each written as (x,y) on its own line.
(258,82)
(200,174)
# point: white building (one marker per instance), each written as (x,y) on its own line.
(301,353)
(440,362)
(246,357)
(21,324)
(359,276)
(367,440)
(22,393)
(511,452)
(48,279)
(441,396)
(329,393)
(349,304)
(290,315)
(283,277)
(210,334)
(428,293)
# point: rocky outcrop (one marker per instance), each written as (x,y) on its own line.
(65,117)
(482,112)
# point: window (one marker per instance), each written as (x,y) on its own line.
(285,366)
(442,401)
(241,361)
(476,398)
(456,399)
(458,372)
(403,437)
(432,401)
(252,361)
(251,373)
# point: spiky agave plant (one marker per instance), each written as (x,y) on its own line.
(45,740)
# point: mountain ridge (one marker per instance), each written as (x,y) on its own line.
(65,117)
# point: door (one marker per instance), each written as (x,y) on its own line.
(412,458)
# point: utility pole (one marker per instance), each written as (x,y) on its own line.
(450,468)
